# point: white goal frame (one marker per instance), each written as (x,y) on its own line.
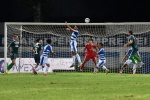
(29,23)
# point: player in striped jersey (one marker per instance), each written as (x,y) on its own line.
(128,61)
(73,44)
(37,49)
(44,58)
(102,59)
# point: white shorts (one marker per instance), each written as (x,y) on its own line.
(101,63)
(128,62)
(73,45)
(44,60)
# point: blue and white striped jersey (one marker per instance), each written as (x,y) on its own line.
(102,54)
(74,35)
(47,50)
(130,51)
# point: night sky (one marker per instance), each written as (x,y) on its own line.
(76,10)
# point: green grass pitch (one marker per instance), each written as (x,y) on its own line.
(74,86)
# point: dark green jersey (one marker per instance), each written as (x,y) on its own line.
(37,48)
(134,43)
(14,46)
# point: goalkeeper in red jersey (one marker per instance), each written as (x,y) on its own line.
(90,47)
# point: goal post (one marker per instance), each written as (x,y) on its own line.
(112,35)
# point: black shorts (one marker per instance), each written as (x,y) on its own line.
(14,56)
(37,58)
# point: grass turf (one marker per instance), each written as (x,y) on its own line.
(74,86)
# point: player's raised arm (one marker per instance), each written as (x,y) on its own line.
(69,28)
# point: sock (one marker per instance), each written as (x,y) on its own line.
(140,64)
(138,58)
(46,70)
(104,68)
(133,60)
(38,68)
(134,68)
(74,58)
(10,66)
(78,58)
(82,66)
(95,69)
(122,68)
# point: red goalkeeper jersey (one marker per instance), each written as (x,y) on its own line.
(90,49)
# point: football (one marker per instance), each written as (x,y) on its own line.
(87,20)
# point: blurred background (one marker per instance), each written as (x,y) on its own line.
(72,11)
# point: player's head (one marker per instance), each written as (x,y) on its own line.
(75,27)
(130,33)
(49,41)
(39,40)
(15,37)
(90,41)
(100,45)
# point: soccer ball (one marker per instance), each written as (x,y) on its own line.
(87,20)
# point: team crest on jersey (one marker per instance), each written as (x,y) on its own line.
(16,44)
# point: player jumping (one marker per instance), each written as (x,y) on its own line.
(128,61)
(102,59)
(73,44)
(37,49)
(44,58)
(133,56)
(90,47)
(13,51)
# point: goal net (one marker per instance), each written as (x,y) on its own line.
(112,35)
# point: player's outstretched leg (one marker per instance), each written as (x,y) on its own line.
(132,58)
(105,69)
(94,60)
(86,59)
(95,69)
(37,69)
(122,68)
(46,70)
(79,60)
(10,66)
(73,61)
(134,68)
(101,64)
(82,66)
(74,56)
(140,63)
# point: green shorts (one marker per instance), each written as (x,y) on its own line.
(14,56)
(134,51)
(37,58)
